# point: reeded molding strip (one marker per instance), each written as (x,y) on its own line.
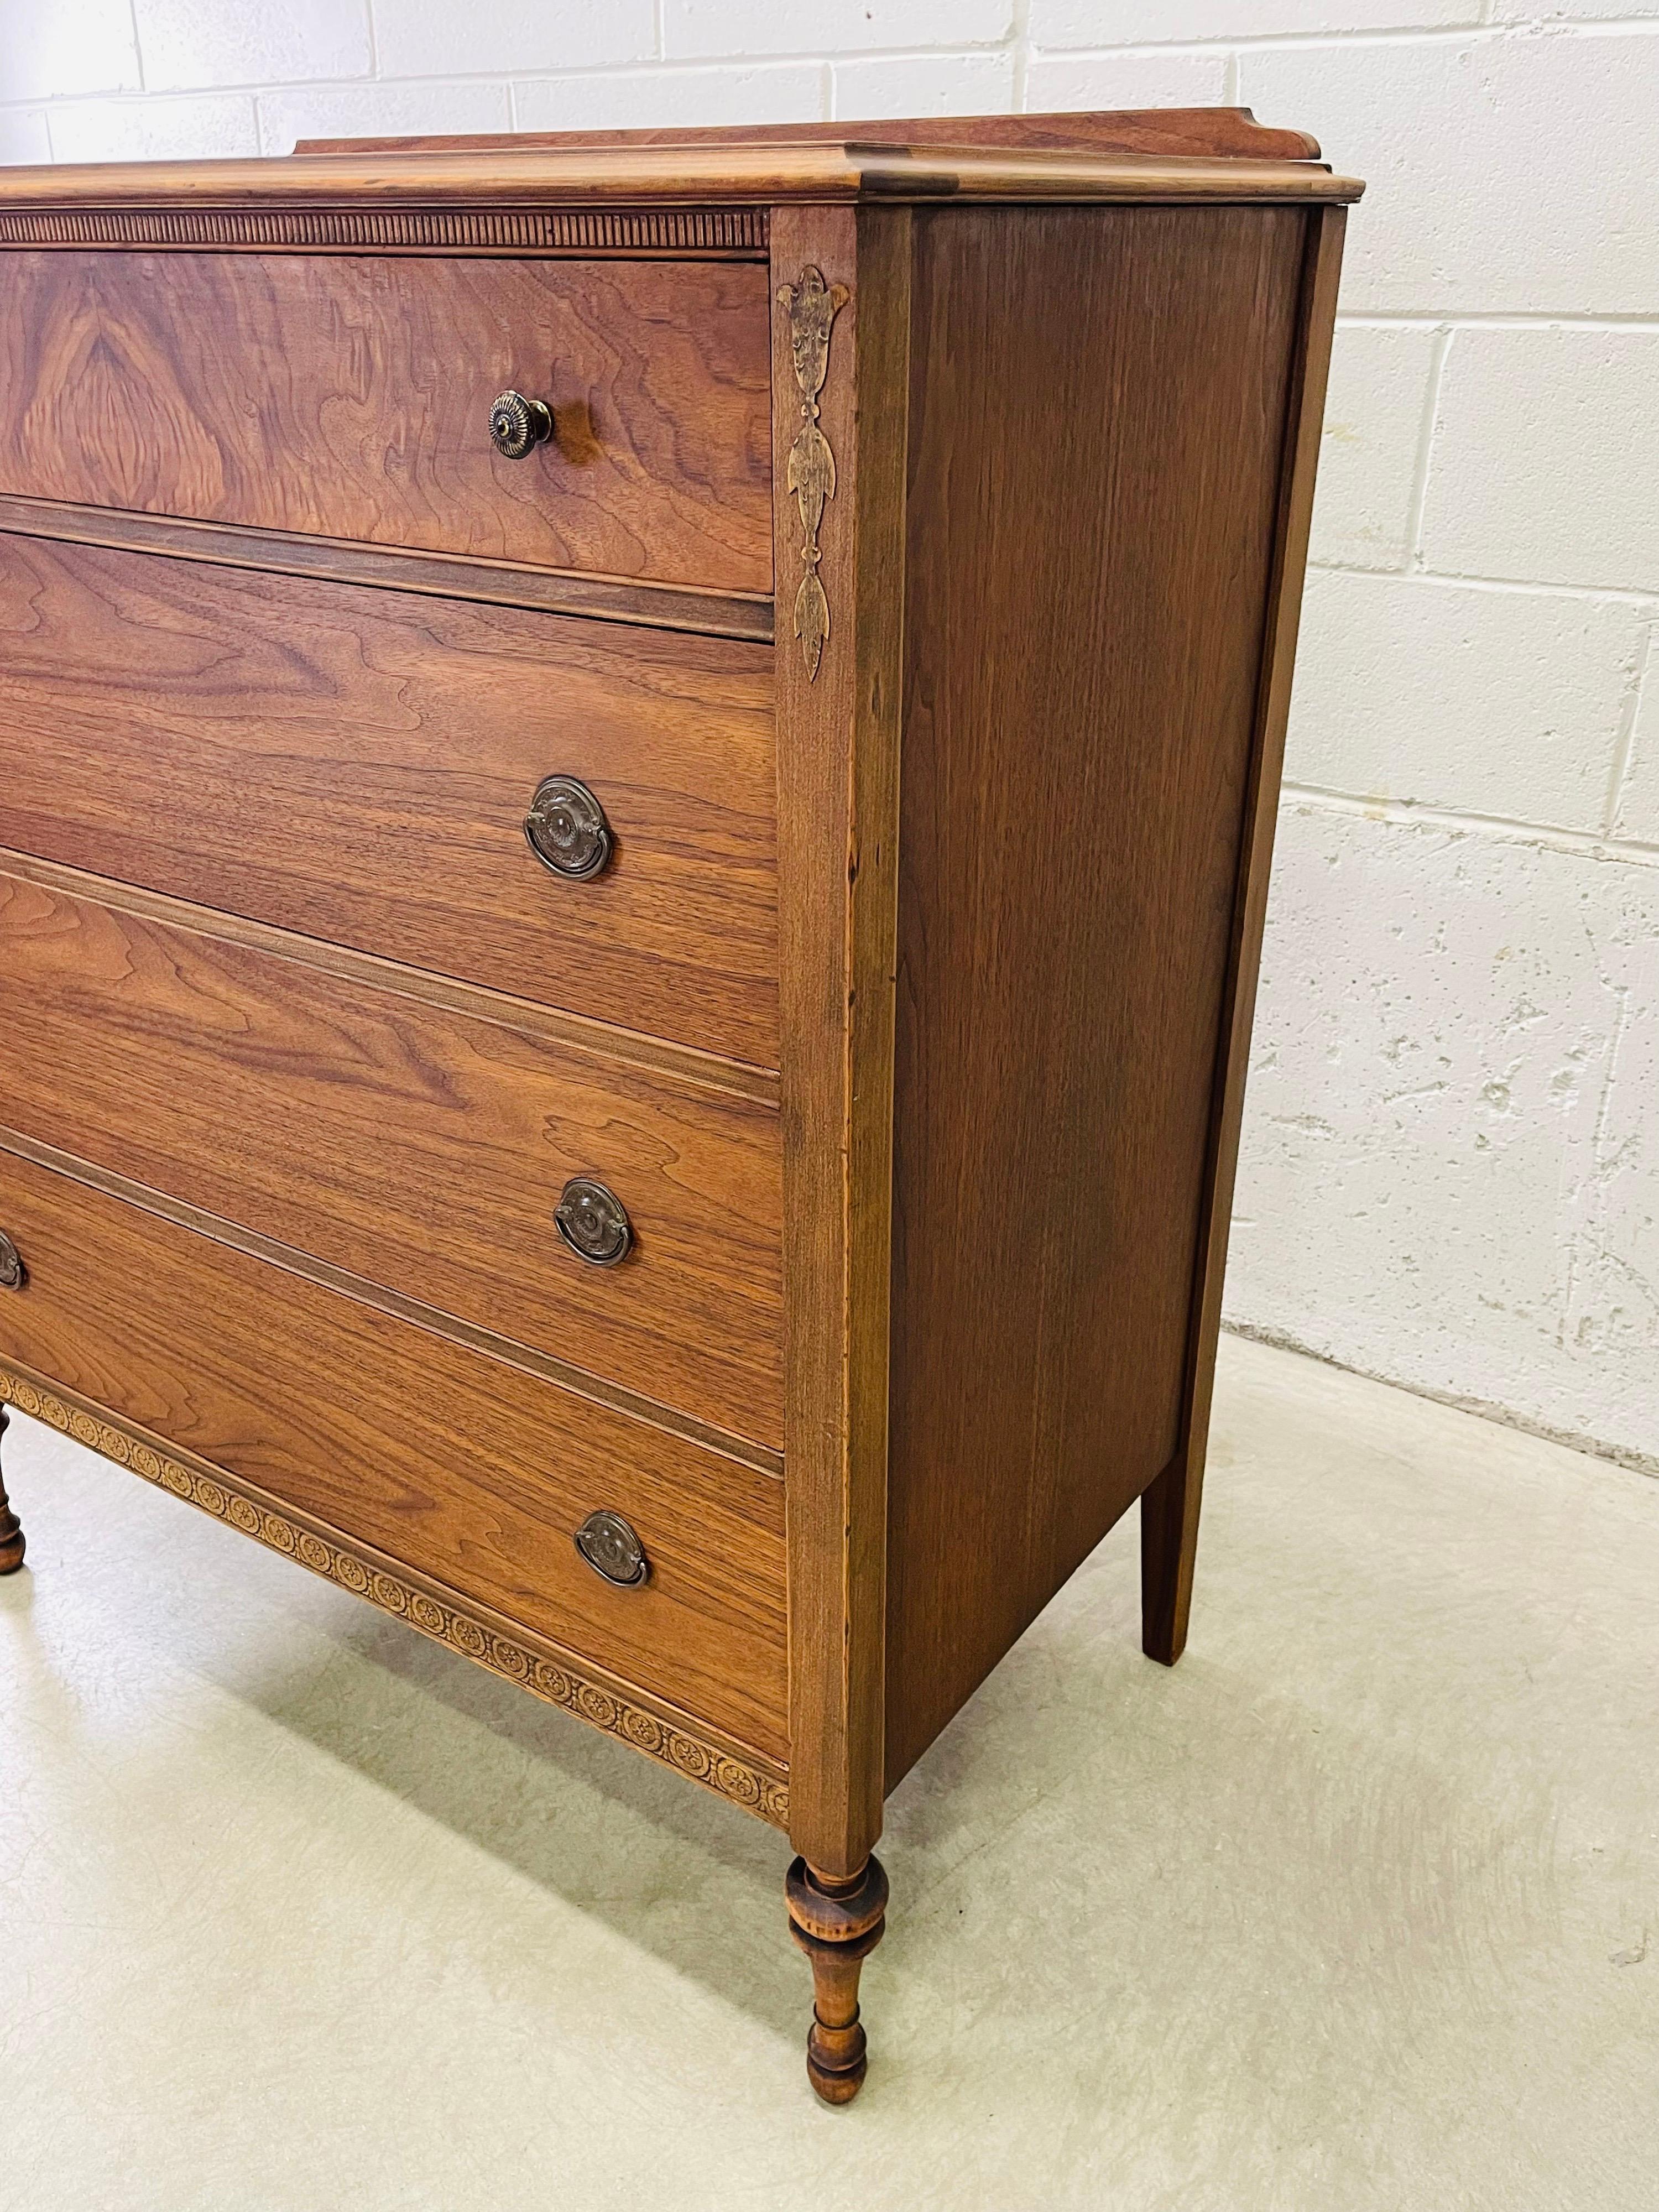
(724,1768)
(578,1032)
(701,231)
(546,1369)
(395,568)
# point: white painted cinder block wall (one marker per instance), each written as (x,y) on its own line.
(1450,1175)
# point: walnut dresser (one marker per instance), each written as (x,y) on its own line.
(638,783)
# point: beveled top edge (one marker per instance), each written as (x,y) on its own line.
(1231,133)
(662,176)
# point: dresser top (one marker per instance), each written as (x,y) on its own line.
(1167,156)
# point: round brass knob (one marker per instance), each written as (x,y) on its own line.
(566,829)
(13,1274)
(517,424)
(612,1549)
(593,1223)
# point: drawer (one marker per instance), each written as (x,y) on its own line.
(465,1469)
(351,397)
(357,765)
(422,1148)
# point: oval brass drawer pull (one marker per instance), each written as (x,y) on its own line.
(613,1549)
(13,1274)
(566,829)
(593,1222)
(517,425)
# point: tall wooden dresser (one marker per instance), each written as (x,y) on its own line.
(638,783)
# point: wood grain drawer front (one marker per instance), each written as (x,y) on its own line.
(467,1470)
(422,1149)
(351,397)
(356,764)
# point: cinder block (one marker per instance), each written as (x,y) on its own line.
(378,111)
(932,84)
(787,92)
(48,51)
(441,38)
(1053,81)
(1131,22)
(184,43)
(722,27)
(23,135)
(1545,465)
(1379,389)
(1569,11)
(154,130)
(1507,175)
(1450,1173)
(1636,815)
(1505,703)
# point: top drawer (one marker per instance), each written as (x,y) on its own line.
(350,398)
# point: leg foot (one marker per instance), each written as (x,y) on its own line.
(837,1922)
(11,1533)
(1168,1542)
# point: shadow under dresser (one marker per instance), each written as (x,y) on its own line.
(639,782)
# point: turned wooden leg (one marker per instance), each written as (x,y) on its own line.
(837,1922)
(11,1534)
(1169,1540)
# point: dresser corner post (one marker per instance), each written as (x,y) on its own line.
(12,1545)
(1170,1505)
(840,307)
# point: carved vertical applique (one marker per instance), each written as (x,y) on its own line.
(812,307)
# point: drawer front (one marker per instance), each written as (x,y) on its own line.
(422,1148)
(466,1470)
(357,765)
(351,397)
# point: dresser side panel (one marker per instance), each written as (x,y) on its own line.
(1096,421)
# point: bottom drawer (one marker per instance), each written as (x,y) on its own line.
(465,1470)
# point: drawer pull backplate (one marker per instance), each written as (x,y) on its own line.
(566,829)
(593,1222)
(612,1549)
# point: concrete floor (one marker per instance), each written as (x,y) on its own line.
(1358,1907)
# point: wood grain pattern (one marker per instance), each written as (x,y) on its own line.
(1170,1509)
(343,561)
(470,1472)
(1097,405)
(420,1312)
(606,1040)
(356,765)
(422,1150)
(352,398)
(838,804)
(1224,133)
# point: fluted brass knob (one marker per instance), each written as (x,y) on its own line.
(613,1549)
(13,1274)
(517,424)
(593,1222)
(566,829)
